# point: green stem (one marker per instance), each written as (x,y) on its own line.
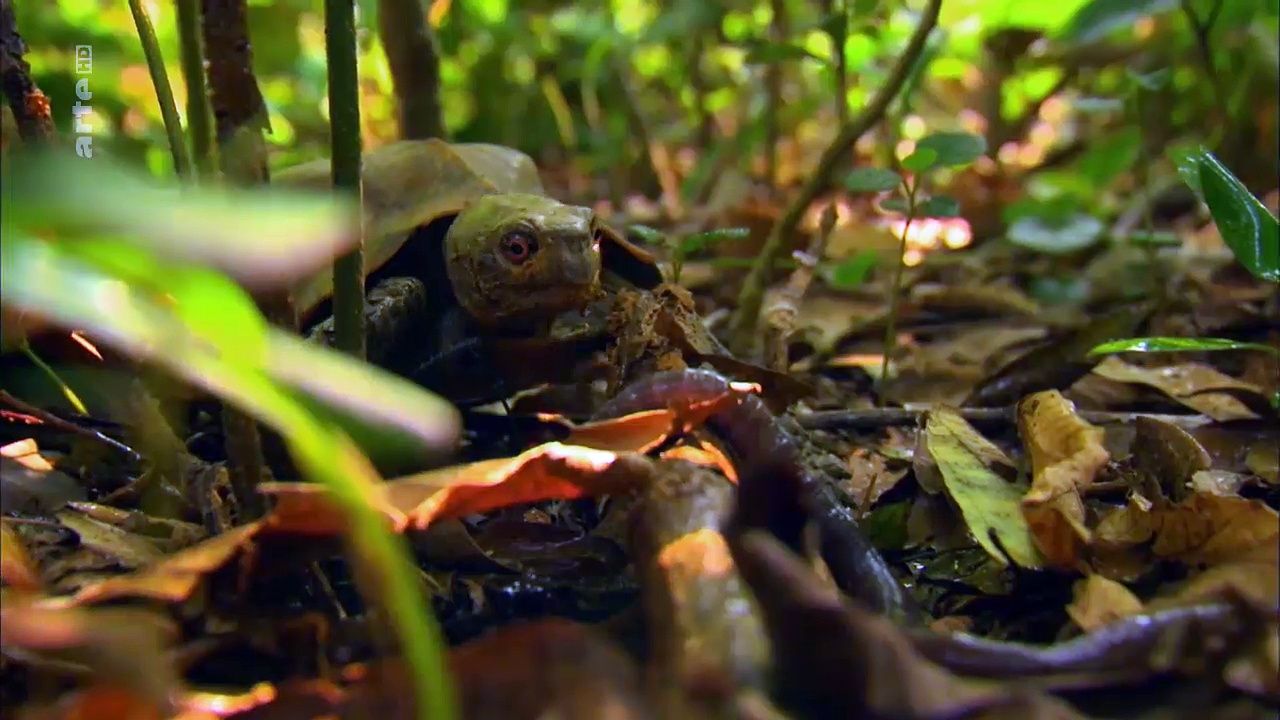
(67,392)
(344,135)
(895,290)
(199,125)
(164,92)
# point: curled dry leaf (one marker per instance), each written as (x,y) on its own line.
(553,471)
(1066,454)
(989,503)
(1205,528)
(1099,601)
(175,577)
(1195,385)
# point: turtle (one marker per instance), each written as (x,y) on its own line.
(463,242)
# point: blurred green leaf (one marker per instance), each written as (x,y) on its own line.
(871,179)
(921,160)
(649,235)
(698,241)
(768,53)
(940,206)
(1247,227)
(895,204)
(1187,160)
(261,238)
(853,272)
(1100,18)
(1177,344)
(953,149)
(1056,236)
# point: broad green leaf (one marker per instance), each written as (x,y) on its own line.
(988,503)
(954,149)
(872,180)
(262,238)
(853,272)
(48,277)
(1246,225)
(920,160)
(895,204)
(940,206)
(699,241)
(1055,237)
(1177,344)
(1187,160)
(1100,18)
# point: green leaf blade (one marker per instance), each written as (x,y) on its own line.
(872,180)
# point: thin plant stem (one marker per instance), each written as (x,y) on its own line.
(67,392)
(895,290)
(164,91)
(199,125)
(344,134)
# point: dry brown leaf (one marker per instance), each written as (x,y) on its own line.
(1195,385)
(1204,528)
(871,477)
(1066,455)
(175,577)
(547,472)
(1098,601)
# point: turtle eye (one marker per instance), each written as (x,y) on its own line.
(517,248)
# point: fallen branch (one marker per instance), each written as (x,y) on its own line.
(744,320)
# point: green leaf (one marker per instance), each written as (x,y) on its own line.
(649,235)
(260,237)
(769,53)
(954,149)
(698,241)
(895,204)
(1056,237)
(1247,227)
(940,206)
(1187,160)
(920,160)
(1177,344)
(853,272)
(1099,18)
(871,180)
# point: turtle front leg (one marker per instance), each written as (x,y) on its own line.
(397,317)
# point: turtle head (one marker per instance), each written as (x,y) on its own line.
(516,259)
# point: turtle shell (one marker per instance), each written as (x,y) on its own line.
(410,185)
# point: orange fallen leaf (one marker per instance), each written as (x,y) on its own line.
(1204,528)
(1195,385)
(1066,455)
(1099,601)
(27,454)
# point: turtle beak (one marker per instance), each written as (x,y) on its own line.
(580,268)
